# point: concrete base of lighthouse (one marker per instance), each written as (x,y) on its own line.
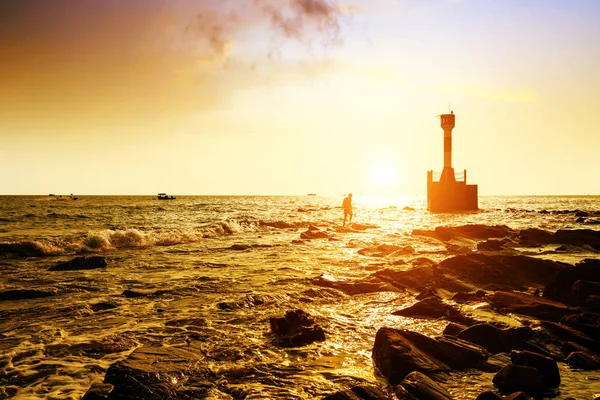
(448,194)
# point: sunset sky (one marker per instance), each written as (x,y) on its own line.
(250,97)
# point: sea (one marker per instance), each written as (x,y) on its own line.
(206,260)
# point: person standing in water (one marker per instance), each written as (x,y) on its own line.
(347,207)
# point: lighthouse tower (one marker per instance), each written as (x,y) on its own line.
(449,192)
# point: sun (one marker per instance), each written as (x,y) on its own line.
(383,175)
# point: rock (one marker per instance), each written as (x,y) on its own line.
(395,356)
(315,233)
(157,373)
(104,305)
(134,293)
(359,392)
(569,347)
(559,288)
(80,263)
(581,290)
(518,396)
(466,297)
(583,360)
(417,278)
(579,237)
(364,227)
(369,285)
(384,250)
(474,231)
(525,304)
(546,366)
(25,294)
(517,378)
(277,224)
(434,307)
(488,395)
(516,272)
(424,388)
(570,335)
(453,329)
(587,323)
(536,237)
(98,391)
(493,245)
(295,329)
(427,292)
(487,336)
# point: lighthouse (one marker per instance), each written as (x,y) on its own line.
(448,191)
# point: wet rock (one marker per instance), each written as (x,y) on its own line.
(487,336)
(158,373)
(395,356)
(569,347)
(417,278)
(474,231)
(25,294)
(467,297)
(277,224)
(364,227)
(494,244)
(517,378)
(546,366)
(568,334)
(384,250)
(315,233)
(518,396)
(422,387)
(524,304)
(488,395)
(104,305)
(581,290)
(536,237)
(516,272)
(559,288)
(453,329)
(98,391)
(427,292)
(295,329)
(359,392)
(81,263)
(583,360)
(434,307)
(579,237)
(587,323)
(360,286)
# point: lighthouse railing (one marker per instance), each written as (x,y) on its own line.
(458,176)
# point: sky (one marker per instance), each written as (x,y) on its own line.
(288,97)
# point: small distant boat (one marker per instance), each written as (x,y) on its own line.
(164,196)
(65,198)
(311,194)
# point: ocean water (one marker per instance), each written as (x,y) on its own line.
(205,258)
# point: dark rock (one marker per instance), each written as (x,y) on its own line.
(25,294)
(104,305)
(418,278)
(134,293)
(489,395)
(295,329)
(81,263)
(525,304)
(587,323)
(466,297)
(580,213)
(98,391)
(278,224)
(487,336)
(559,288)
(474,231)
(583,360)
(581,290)
(428,292)
(369,285)
(517,378)
(315,233)
(453,329)
(364,227)
(359,392)
(546,366)
(579,237)
(536,237)
(395,356)
(570,335)
(434,307)
(518,396)
(157,373)
(569,347)
(424,388)
(493,244)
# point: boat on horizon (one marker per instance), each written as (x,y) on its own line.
(164,196)
(311,194)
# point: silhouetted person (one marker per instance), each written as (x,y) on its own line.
(347,207)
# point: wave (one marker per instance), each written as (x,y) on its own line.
(111,239)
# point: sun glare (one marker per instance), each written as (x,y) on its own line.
(383,175)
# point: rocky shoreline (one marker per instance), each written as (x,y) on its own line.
(488,269)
